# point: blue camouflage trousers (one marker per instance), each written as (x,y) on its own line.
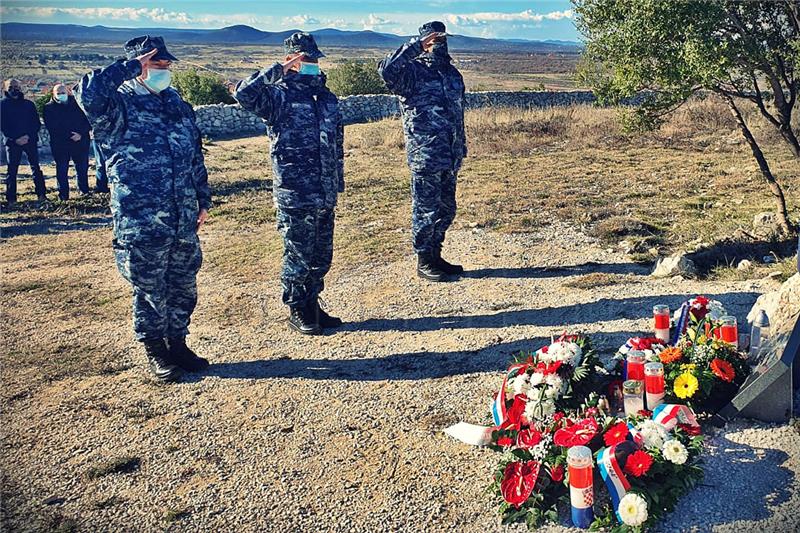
(307,252)
(164,280)
(433,208)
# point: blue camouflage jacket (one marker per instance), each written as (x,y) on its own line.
(307,135)
(432,102)
(154,155)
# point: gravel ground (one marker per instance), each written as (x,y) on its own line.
(343,432)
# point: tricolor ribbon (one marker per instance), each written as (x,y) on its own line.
(613,476)
(670,415)
(680,325)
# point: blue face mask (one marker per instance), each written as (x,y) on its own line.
(311,69)
(62,98)
(158,79)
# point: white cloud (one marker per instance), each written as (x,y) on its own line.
(374,22)
(112,13)
(300,20)
(526,17)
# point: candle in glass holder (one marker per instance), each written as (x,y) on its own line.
(635,366)
(632,396)
(654,384)
(729,332)
(581,487)
(661,322)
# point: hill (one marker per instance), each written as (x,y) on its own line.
(242,34)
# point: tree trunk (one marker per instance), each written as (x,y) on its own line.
(791,138)
(774,186)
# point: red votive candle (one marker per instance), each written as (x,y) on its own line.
(661,322)
(729,332)
(654,384)
(635,365)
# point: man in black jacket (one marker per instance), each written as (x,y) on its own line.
(20,125)
(69,139)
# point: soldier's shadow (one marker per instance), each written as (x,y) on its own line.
(557,272)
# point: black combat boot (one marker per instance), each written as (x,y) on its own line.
(161,364)
(303,320)
(324,319)
(444,266)
(428,269)
(184,357)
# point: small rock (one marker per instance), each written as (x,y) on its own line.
(744,264)
(768,260)
(54,500)
(774,274)
(674,265)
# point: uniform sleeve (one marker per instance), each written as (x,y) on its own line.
(396,69)
(463,122)
(260,94)
(199,171)
(340,151)
(97,95)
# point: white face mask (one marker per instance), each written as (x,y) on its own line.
(158,79)
(62,98)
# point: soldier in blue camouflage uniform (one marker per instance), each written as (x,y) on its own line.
(308,172)
(431,92)
(160,195)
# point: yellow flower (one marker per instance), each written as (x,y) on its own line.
(688,367)
(685,385)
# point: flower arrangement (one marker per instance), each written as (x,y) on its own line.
(658,459)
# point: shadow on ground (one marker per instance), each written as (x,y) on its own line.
(557,272)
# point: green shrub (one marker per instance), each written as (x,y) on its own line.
(355,77)
(41,100)
(201,88)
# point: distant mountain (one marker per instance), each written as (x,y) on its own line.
(241,34)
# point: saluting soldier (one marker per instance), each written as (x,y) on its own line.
(431,92)
(160,196)
(307,151)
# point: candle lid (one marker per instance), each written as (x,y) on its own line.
(579,456)
(660,309)
(653,369)
(635,355)
(632,386)
(728,319)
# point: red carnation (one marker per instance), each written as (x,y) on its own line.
(577,434)
(518,481)
(616,434)
(514,415)
(504,441)
(638,463)
(528,438)
(690,430)
(557,473)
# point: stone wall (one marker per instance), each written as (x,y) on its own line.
(232,121)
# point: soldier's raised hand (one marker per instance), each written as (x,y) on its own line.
(291,63)
(144,59)
(428,39)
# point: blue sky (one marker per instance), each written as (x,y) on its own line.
(543,19)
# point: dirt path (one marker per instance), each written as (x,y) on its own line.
(341,432)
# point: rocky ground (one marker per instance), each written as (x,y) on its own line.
(343,432)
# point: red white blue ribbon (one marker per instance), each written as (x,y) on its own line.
(680,326)
(670,415)
(613,476)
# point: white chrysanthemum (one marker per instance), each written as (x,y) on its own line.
(537,378)
(539,452)
(675,452)
(716,310)
(538,406)
(545,356)
(633,510)
(566,352)
(520,384)
(554,381)
(653,433)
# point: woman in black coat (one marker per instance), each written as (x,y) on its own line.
(69,139)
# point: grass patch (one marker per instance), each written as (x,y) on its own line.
(119,465)
(174,515)
(108,503)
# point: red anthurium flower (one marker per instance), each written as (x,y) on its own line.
(528,438)
(518,481)
(638,463)
(549,368)
(577,434)
(616,434)
(557,473)
(690,430)
(514,415)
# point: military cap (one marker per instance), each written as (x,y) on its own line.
(141,45)
(433,26)
(303,43)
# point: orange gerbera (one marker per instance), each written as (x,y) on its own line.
(670,355)
(723,370)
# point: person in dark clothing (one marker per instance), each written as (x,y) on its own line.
(69,139)
(100,174)
(20,125)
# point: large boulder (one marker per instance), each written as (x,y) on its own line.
(782,306)
(674,265)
